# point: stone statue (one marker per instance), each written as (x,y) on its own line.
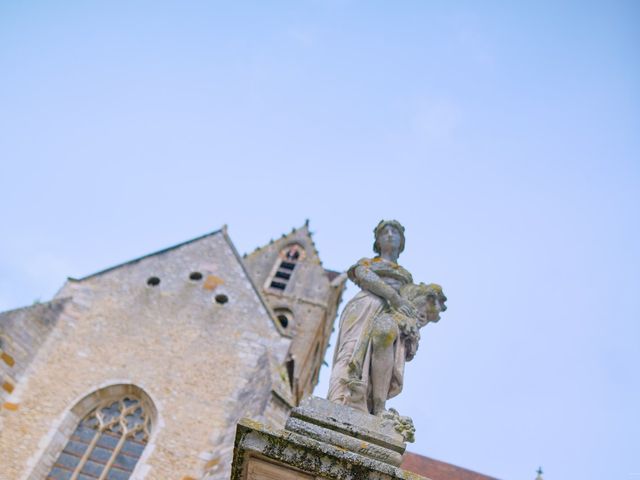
(379,327)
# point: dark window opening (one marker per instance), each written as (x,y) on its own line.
(293,255)
(222,299)
(284,275)
(287,265)
(288,258)
(278,285)
(284,321)
(195,276)
(153,281)
(284,317)
(290,366)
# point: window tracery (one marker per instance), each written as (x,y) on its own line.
(107,443)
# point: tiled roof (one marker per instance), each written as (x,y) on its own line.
(437,470)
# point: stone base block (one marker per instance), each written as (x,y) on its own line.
(321,440)
(348,428)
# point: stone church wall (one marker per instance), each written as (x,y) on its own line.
(22,331)
(203,364)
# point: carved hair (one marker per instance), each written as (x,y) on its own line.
(412,291)
(383,223)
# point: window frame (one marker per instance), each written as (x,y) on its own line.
(64,428)
(287,266)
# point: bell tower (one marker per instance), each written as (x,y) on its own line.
(304,298)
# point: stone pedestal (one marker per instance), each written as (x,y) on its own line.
(321,440)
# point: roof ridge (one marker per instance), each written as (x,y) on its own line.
(247,275)
(159,252)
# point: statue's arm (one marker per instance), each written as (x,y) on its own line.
(367,279)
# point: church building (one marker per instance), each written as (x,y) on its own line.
(143,370)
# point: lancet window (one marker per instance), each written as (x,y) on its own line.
(107,443)
(287,261)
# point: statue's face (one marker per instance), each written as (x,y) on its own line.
(435,305)
(389,239)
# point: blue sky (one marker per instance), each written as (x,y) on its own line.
(503,136)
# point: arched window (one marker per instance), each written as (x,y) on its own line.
(287,261)
(108,441)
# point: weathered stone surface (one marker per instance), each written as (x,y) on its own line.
(379,328)
(295,454)
(22,332)
(202,364)
(340,421)
(342,440)
(311,297)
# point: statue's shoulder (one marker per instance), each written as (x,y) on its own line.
(363,262)
(382,267)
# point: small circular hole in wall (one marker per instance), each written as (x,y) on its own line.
(153,281)
(195,276)
(284,321)
(222,299)
(284,316)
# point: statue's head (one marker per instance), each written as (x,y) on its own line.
(429,300)
(385,227)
